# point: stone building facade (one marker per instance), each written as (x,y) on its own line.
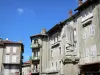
(11,57)
(72,46)
(88,34)
(26,68)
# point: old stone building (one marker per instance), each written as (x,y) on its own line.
(88,36)
(38,45)
(72,46)
(58,55)
(26,68)
(11,57)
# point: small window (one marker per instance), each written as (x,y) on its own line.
(56,65)
(60,50)
(86,24)
(35,53)
(57,37)
(51,53)
(7,58)
(60,62)
(14,58)
(8,50)
(15,50)
(13,69)
(35,41)
(52,64)
(54,39)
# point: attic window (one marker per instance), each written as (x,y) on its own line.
(86,24)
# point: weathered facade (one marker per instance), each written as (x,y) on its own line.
(37,47)
(88,36)
(11,57)
(26,68)
(58,55)
(72,46)
(1,54)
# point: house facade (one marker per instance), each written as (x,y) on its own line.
(26,68)
(88,34)
(58,55)
(11,58)
(72,46)
(37,42)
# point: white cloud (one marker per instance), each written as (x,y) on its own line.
(20,10)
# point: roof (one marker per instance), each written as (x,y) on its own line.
(86,4)
(1,43)
(27,63)
(56,27)
(10,42)
(37,35)
(61,24)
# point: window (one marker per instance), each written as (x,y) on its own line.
(92,30)
(56,65)
(88,30)
(52,64)
(87,52)
(59,64)
(51,53)
(60,50)
(8,49)
(86,24)
(14,57)
(54,39)
(93,50)
(13,69)
(14,49)
(57,37)
(35,41)
(35,53)
(7,67)
(6,70)
(7,58)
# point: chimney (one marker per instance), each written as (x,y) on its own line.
(20,41)
(70,12)
(43,32)
(80,2)
(7,39)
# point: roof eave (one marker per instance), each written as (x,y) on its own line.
(87,3)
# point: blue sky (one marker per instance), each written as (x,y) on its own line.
(19,19)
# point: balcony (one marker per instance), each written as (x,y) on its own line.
(35,71)
(35,45)
(36,59)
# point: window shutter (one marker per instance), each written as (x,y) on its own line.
(93,50)
(7,58)
(87,52)
(8,49)
(92,30)
(14,49)
(14,58)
